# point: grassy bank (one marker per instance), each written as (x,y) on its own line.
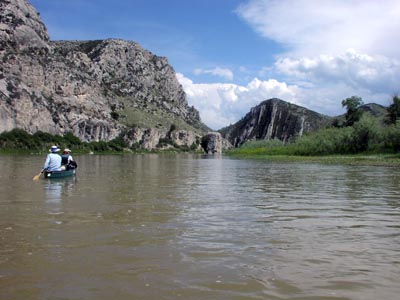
(355,159)
(299,152)
(366,142)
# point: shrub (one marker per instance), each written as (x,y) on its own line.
(45,137)
(117,144)
(17,139)
(162,142)
(323,142)
(365,135)
(391,137)
(269,144)
(394,110)
(71,139)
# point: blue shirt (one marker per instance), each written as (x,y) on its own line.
(53,162)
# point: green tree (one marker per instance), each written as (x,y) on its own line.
(366,133)
(354,112)
(392,137)
(394,110)
(71,139)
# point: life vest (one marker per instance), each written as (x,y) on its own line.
(64,159)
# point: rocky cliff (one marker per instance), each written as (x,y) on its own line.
(97,90)
(274,119)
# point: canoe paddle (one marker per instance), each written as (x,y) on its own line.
(36,177)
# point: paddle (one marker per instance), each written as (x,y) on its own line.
(36,177)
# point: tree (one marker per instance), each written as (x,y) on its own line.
(394,110)
(354,112)
(366,133)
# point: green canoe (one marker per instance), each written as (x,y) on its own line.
(59,174)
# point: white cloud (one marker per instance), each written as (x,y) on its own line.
(356,70)
(334,49)
(221,104)
(220,72)
(313,27)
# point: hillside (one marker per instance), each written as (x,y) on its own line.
(274,119)
(278,119)
(97,90)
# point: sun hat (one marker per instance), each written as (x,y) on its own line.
(67,150)
(54,149)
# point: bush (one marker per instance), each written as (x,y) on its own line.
(117,144)
(163,142)
(71,139)
(17,139)
(99,146)
(39,141)
(41,136)
(394,110)
(365,135)
(323,142)
(391,137)
(269,144)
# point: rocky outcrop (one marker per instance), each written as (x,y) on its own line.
(21,26)
(274,119)
(153,138)
(184,138)
(213,142)
(89,88)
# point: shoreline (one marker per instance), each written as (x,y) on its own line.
(388,160)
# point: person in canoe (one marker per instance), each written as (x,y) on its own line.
(53,160)
(67,162)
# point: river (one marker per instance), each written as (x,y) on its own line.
(198,227)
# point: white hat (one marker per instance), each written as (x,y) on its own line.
(67,150)
(54,149)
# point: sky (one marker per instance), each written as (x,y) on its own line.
(230,55)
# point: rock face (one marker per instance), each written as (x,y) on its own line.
(274,119)
(213,142)
(97,90)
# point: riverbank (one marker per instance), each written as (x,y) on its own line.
(106,152)
(355,159)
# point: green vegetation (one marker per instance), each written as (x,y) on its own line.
(394,110)
(366,139)
(148,115)
(353,113)
(18,141)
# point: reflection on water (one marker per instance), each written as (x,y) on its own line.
(53,191)
(199,227)
(55,188)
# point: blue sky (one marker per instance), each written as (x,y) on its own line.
(230,55)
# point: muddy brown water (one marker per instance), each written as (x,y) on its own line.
(199,227)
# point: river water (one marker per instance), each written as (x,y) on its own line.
(198,227)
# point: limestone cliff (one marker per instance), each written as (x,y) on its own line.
(213,142)
(274,119)
(97,90)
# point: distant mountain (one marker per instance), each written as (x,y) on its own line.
(278,119)
(274,119)
(97,90)
(375,110)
